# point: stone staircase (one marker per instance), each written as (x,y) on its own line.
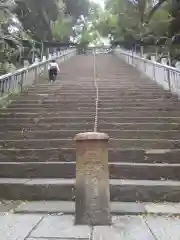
(37,153)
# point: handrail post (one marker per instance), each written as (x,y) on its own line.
(144,66)
(35,74)
(92,179)
(21,81)
(154,72)
(169,79)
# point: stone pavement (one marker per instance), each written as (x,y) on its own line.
(54,220)
(61,227)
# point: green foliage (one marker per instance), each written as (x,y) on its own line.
(62,28)
(107,24)
(10,45)
(84,39)
(88,35)
(174,12)
(159,23)
(75,8)
(126,21)
(50,19)
(36,17)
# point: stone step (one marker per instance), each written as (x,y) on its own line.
(67,170)
(63,97)
(113,89)
(63,189)
(133,97)
(122,108)
(114,86)
(138,113)
(63,94)
(44,100)
(46,134)
(137,100)
(73,107)
(145,143)
(138,119)
(71,90)
(102,114)
(54,104)
(46,113)
(44,119)
(103,127)
(60,97)
(126,85)
(143,134)
(114,143)
(88,101)
(117,155)
(102,94)
(107,104)
(48,110)
(161,103)
(37,143)
(69,134)
(80,126)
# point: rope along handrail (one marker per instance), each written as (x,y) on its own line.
(97,94)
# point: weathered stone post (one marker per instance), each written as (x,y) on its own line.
(92,179)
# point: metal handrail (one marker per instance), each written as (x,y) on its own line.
(17,81)
(166,76)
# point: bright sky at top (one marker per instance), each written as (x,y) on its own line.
(100,2)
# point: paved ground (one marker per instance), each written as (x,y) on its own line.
(61,227)
(54,220)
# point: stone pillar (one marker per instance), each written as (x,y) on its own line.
(92,179)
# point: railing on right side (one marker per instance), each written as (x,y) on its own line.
(166,76)
(18,81)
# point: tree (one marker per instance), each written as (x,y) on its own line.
(50,19)
(36,16)
(126,21)
(36,21)
(10,44)
(62,28)
(76,8)
(174,11)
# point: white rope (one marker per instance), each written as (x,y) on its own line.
(97,94)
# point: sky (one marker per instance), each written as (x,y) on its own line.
(101,2)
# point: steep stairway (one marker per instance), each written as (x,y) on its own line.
(37,151)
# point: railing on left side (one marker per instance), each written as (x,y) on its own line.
(18,81)
(166,76)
